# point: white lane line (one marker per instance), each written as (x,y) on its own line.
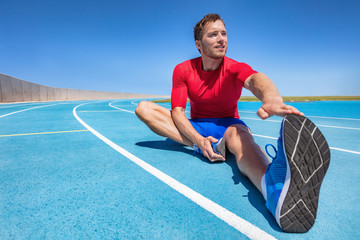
(110,104)
(42,133)
(17,105)
(27,109)
(101,111)
(259,119)
(230,218)
(246,111)
(337,118)
(333,148)
(263,136)
(344,150)
(319,125)
(350,128)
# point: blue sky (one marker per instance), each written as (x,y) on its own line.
(307,47)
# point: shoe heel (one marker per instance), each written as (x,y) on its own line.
(220,147)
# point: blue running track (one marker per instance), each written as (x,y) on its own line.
(92,170)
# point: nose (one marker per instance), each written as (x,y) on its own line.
(220,38)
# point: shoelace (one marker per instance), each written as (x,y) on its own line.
(266,149)
(196,149)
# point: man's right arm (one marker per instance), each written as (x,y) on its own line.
(186,128)
(178,103)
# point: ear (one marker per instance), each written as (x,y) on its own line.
(198,44)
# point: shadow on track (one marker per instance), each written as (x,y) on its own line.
(254,196)
(167,144)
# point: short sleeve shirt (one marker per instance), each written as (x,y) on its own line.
(212,94)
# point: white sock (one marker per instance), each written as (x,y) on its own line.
(263,187)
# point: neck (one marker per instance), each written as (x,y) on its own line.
(210,64)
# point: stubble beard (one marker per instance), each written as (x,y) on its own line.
(213,53)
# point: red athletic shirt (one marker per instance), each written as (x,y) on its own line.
(212,94)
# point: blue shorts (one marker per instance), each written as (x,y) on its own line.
(214,127)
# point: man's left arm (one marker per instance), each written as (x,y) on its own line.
(265,90)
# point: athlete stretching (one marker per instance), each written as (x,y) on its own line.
(213,83)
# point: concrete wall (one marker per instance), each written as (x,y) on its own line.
(17,90)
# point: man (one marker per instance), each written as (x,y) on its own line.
(213,83)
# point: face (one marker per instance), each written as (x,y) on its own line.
(214,41)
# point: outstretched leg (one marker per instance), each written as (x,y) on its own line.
(250,158)
(159,120)
(291,183)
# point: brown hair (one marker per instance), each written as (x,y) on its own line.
(198,29)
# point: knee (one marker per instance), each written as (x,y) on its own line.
(141,109)
(238,131)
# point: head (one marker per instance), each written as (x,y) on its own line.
(210,36)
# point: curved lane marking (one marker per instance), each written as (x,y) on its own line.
(27,109)
(230,218)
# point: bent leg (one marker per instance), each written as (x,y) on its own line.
(159,120)
(250,158)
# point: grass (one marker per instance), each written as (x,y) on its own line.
(291,99)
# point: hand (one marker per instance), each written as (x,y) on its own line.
(276,106)
(205,145)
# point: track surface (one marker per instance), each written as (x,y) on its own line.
(75,170)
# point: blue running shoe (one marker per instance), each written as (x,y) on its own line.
(219,147)
(293,179)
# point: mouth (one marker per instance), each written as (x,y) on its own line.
(221,47)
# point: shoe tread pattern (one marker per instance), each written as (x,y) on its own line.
(309,156)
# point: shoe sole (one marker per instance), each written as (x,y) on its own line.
(308,158)
(221,147)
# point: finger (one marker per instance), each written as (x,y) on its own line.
(262,113)
(212,139)
(212,156)
(208,150)
(296,111)
(216,158)
(293,110)
(282,110)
